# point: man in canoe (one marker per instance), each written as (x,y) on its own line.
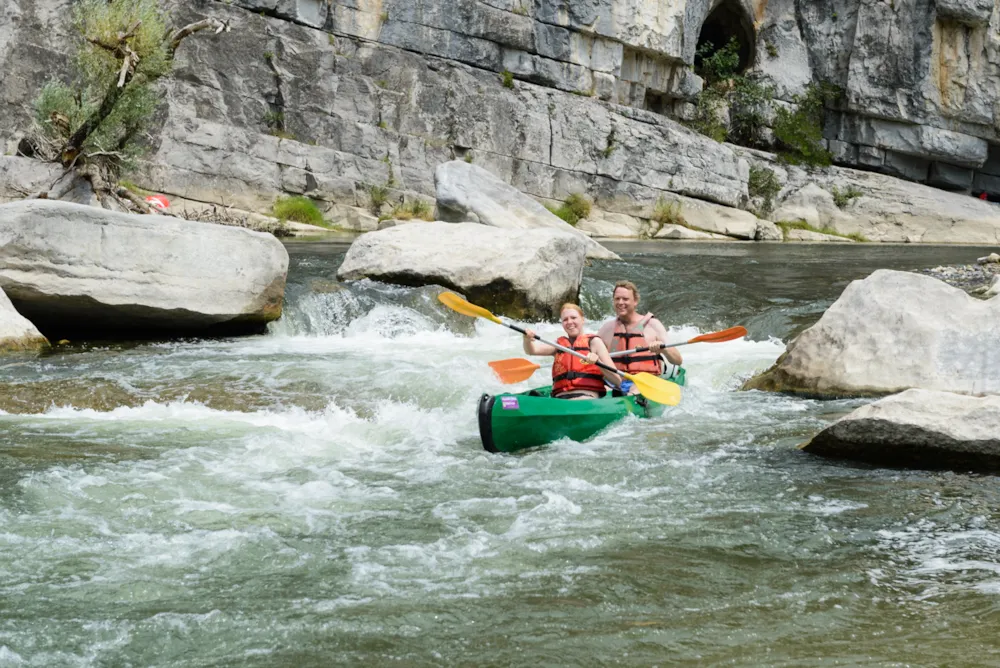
(629,330)
(572,377)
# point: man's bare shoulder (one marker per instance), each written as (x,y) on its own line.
(659,328)
(607,328)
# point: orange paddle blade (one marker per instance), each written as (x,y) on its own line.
(513,370)
(718,337)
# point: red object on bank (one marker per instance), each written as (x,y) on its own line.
(159,201)
(982,195)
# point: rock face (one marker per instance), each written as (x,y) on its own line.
(883,208)
(363,99)
(525,274)
(16,332)
(75,269)
(463,188)
(918,428)
(890,332)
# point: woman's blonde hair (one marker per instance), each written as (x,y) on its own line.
(575,307)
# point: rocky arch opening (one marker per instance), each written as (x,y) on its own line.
(727,22)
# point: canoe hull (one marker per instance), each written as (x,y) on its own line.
(511,422)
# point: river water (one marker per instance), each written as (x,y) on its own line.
(318,495)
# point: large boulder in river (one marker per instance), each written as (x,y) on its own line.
(17,332)
(464,189)
(525,274)
(77,270)
(918,428)
(890,332)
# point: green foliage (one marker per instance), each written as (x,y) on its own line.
(573,209)
(62,109)
(717,64)
(611,144)
(843,197)
(668,213)
(664,213)
(128,185)
(786,225)
(298,209)
(772,50)
(379,196)
(764,184)
(418,208)
(799,133)
(707,118)
(507,78)
(749,99)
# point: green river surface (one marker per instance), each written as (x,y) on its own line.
(319,496)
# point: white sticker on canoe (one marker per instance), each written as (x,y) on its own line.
(509,403)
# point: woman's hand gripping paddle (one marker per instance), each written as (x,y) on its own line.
(652,387)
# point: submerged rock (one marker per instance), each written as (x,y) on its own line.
(17,332)
(890,332)
(526,274)
(918,428)
(464,188)
(76,271)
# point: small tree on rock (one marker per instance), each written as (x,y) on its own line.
(94,127)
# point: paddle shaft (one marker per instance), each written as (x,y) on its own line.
(642,349)
(564,349)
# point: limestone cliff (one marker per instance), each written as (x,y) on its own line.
(334,97)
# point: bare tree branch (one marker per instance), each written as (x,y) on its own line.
(178,36)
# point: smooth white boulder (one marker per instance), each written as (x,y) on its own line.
(889,332)
(17,332)
(464,188)
(78,270)
(918,428)
(524,274)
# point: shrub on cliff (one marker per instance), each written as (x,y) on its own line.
(799,133)
(93,125)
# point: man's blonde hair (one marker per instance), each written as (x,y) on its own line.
(574,307)
(628,285)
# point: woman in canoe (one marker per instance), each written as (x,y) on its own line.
(572,377)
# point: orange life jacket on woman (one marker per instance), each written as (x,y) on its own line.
(632,337)
(571,373)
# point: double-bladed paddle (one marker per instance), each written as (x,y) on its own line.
(653,388)
(516,369)
(712,337)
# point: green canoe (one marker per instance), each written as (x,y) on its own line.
(511,422)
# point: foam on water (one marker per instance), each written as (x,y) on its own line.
(378,502)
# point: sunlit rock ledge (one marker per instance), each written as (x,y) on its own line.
(918,428)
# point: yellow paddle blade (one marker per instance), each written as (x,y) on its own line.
(456,303)
(514,370)
(655,388)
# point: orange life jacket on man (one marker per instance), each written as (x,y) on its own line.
(571,373)
(627,338)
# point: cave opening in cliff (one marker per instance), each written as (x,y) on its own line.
(727,27)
